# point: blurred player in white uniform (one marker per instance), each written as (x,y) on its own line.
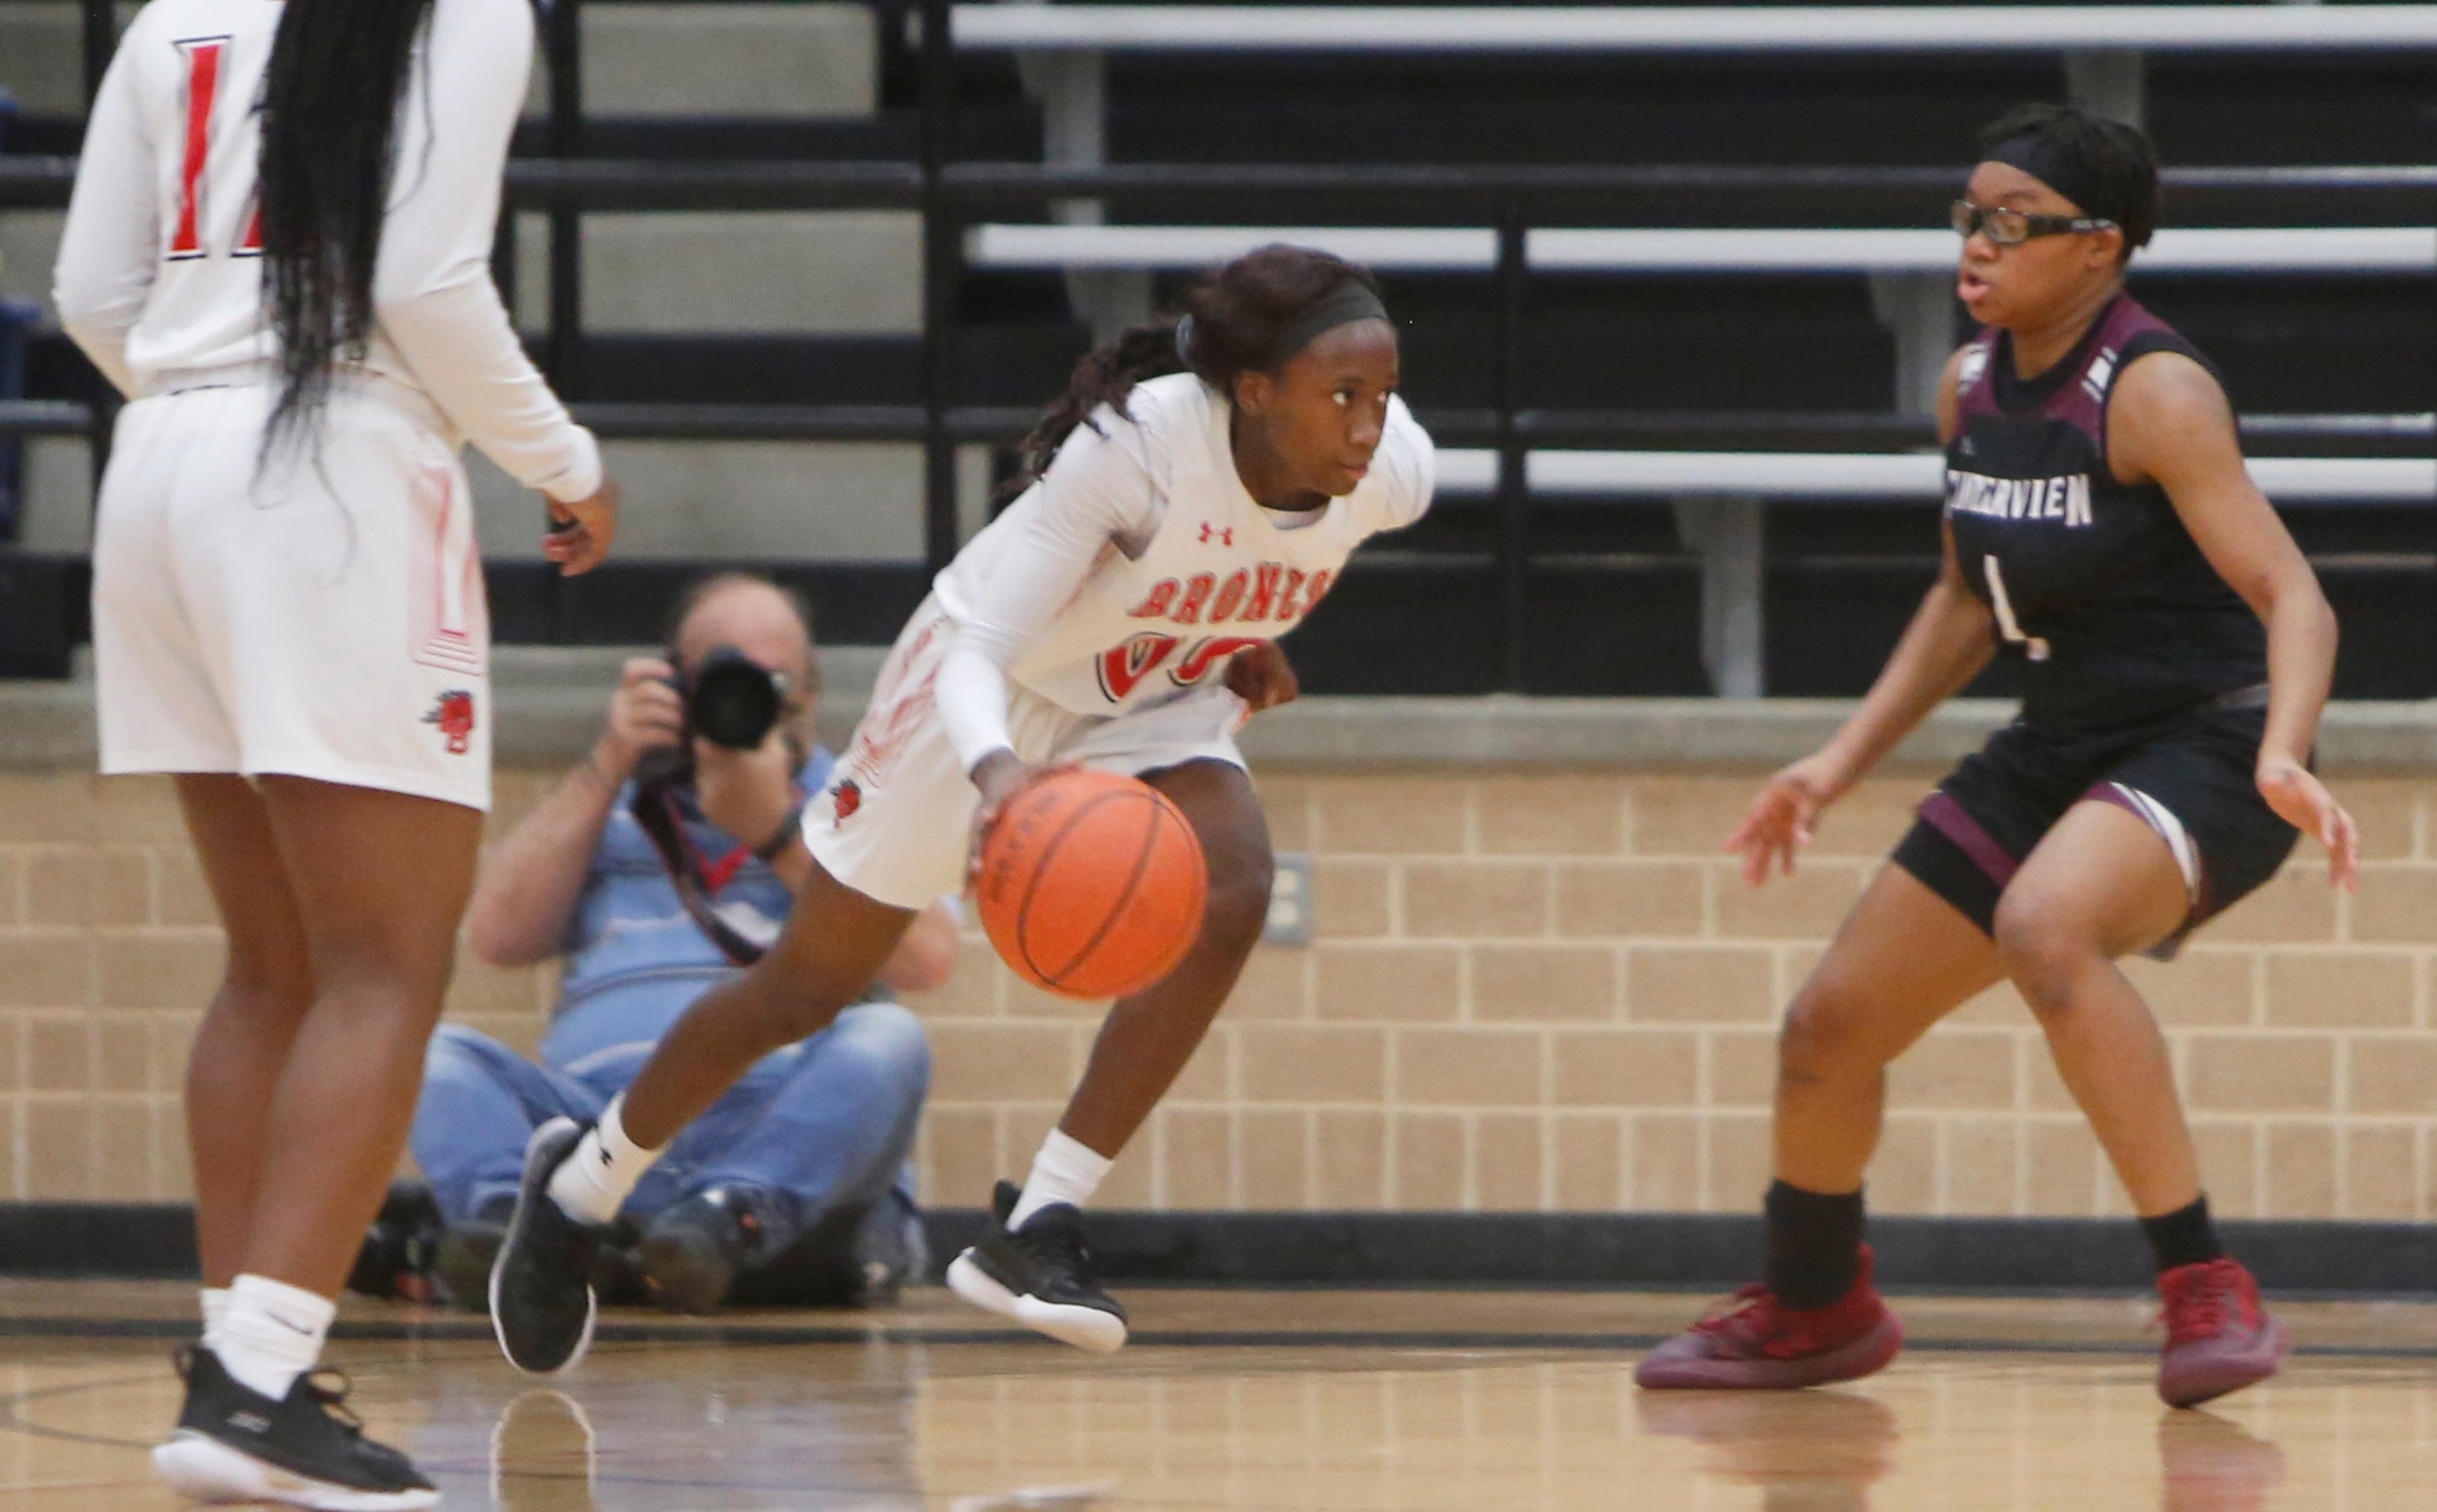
(1121,615)
(279,250)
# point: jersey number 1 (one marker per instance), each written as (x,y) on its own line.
(205,58)
(2033,646)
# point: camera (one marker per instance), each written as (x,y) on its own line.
(732,699)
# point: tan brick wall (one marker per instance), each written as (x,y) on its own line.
(1526,993)
(109,951)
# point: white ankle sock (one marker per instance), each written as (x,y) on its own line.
(591,1184)
(216,1305)
(271,1332)
(1067,1170)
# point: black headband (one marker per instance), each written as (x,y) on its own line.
(2041,156)
(1349,302)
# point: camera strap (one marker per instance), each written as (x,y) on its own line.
(655,809)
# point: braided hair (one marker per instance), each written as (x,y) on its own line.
(329,113)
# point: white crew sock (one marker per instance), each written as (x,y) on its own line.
(216,1305)
(271,1332)
(1067,1170)
(591,1184)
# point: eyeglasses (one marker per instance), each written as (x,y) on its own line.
(2012,228)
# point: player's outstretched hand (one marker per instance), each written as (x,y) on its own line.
(580,533)
(1780,821)
(1261,676)
(2303,802)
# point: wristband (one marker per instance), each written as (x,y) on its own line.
(776,846)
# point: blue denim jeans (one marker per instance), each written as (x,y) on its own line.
(824,1126)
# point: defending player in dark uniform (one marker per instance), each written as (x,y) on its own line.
(2099,524)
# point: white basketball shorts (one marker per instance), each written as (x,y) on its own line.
(319,617)
(896,820)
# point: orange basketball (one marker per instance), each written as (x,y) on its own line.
(1092,884)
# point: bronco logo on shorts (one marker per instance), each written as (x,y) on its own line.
(453,712)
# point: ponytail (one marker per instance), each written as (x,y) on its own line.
(1105,375)
(1234,323)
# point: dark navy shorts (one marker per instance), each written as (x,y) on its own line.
(2189,777)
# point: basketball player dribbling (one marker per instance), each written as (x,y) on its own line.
(2099,524)
(1119,616)
(280,250)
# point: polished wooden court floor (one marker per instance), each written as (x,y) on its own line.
(1321,1399)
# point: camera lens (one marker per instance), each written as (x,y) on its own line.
(734,700)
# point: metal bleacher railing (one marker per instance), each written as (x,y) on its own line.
(1507,223)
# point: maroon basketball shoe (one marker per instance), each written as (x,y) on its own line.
(2219,1338)
(1758,1343)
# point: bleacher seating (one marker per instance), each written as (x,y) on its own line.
(1710,316)
(1710,304)
(2233,250)
(1579,29)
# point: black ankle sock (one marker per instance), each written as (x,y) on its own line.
(1814,1245)
(2183,1237)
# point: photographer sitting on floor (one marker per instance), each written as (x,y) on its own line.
(646,869)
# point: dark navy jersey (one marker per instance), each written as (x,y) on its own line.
(2096,582)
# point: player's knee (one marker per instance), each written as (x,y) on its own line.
(264,984)
(2043,952)
(1823,1035)
(1239,904)
(377,974)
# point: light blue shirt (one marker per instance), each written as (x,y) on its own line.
(630,930)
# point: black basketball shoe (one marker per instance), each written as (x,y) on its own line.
(305,1449)
(691,1252)
(1037,1275)
(541,1285)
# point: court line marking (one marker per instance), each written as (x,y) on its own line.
(15,1421)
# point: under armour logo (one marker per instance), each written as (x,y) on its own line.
(1226,534)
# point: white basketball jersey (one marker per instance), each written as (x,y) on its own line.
(1217,573)
(160,277)
(198,67)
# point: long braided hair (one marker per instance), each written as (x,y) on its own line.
(329,113)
